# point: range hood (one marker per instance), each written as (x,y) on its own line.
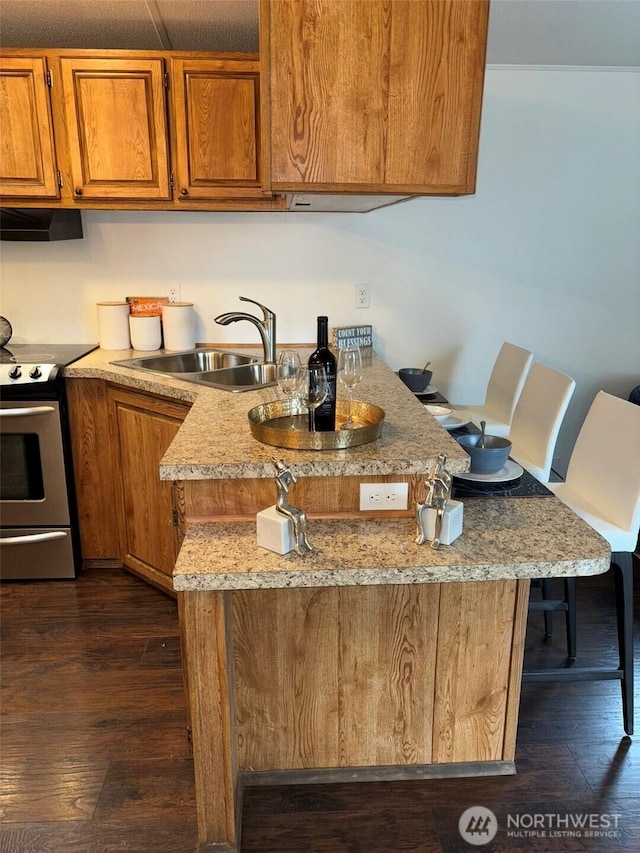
(38,224)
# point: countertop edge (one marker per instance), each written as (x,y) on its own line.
(398,575)
(367,552)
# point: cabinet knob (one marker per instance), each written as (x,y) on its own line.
(184,192)
(78,191)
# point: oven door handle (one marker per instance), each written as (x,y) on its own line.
(33,537)
(24,412)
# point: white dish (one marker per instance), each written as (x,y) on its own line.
(454,421)
(428,391)
(510,471)
(440,413)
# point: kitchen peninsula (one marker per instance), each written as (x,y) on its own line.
(372,657)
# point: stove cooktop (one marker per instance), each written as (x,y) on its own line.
(59,354)
(23,365)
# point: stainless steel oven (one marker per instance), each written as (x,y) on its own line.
(38,519)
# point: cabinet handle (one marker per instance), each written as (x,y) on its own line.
(184,192)
(78,191)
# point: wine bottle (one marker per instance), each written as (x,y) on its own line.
(325,415)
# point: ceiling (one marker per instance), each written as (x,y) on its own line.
(527,32)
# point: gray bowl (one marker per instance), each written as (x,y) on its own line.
(415,378)
(487,459)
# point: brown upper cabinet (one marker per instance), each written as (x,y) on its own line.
(27,151)
(117,127)
(121,140)
(216,111)
(373,96)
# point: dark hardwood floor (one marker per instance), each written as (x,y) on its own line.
(95,757)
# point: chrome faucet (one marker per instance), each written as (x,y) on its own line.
(266,326)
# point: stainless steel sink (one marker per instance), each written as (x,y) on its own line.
(189,361)
(241,378)
(229,371)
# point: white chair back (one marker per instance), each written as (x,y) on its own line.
(537,418)
(506,381)
(604,468)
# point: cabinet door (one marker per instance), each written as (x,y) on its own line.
(373,95)
(145,426)
(27,153)
(116,121)
(216,112)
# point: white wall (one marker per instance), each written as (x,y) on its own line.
(546,254)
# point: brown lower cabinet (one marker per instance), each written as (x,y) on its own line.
(127,514)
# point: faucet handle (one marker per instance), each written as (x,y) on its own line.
(267,312)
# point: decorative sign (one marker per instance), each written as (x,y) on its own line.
(147,306)
(360,335)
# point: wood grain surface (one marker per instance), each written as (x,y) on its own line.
(354,86)
(27,152)
(144,427)
(217,127)
(117,127)
(368,676)
(94,468)
(327,496)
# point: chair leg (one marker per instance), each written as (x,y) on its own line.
(622,564)
(547,592)
(570,599)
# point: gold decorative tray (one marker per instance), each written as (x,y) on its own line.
(271,424)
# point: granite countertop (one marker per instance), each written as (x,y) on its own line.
(501,539)
(215,441)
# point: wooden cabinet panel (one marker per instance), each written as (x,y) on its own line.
(319,673)
(473,670)
(145,426)
(94,467)
(116,122)
(27,153)
(374,95)
(326,92)
(435,88)
(286,677)
(215,105)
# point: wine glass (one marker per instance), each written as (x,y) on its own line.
(313,390)
(289,374)
(349,374)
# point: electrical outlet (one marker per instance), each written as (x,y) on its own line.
(362,296)
(173,292)
(384,496)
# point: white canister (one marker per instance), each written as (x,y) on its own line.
(146,331)
(178,326)
(113,325)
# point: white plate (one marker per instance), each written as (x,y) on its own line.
(454,421)
(510,471)
(428,391)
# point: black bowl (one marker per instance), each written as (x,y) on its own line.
(487,459)
(415,378)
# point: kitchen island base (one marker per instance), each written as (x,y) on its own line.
(348,684)
(370,656)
